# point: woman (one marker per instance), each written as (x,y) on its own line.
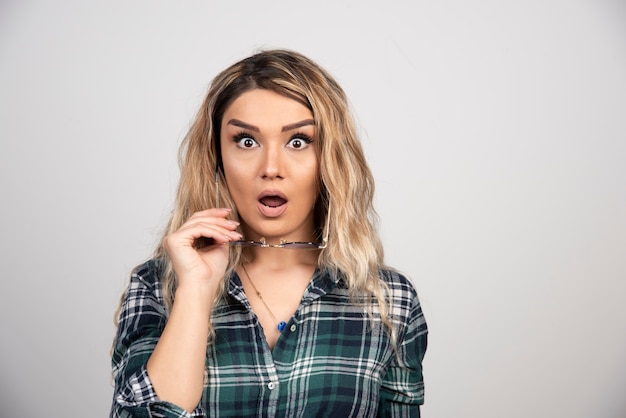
(268,295)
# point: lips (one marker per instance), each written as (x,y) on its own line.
(272,203)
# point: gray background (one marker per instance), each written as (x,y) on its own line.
(496,131)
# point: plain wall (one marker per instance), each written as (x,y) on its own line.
(496,131)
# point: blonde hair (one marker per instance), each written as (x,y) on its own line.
(354,248)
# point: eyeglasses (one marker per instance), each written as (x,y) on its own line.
(294,245)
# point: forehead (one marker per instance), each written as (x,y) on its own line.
(265,108)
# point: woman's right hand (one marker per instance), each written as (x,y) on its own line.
(201,264)
(176,367)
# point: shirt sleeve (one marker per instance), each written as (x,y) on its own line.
(402,390)
(140,324)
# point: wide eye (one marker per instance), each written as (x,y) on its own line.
(299,141)
(245,141)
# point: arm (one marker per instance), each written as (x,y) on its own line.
(141,322)
(176,367)
(174,349)
(402,390)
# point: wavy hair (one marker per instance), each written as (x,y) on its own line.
(354,249)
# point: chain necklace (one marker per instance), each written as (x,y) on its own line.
(281,324)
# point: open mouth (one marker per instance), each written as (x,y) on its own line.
(273,201)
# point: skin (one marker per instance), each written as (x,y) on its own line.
(271,156)
(265,149)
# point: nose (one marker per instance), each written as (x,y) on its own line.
(272,163)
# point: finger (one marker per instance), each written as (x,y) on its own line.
(208,217)
(201,234)
(208,228)
(213,212)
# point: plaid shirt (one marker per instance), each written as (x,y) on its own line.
(331,359)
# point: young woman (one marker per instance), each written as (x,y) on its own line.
(268,295)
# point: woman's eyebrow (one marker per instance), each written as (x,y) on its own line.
(243,125)
(297,125)
(290,127)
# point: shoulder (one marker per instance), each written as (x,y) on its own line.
(147,276)
(150,270)
(405,305)
(399,285)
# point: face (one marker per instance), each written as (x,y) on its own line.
(271,165)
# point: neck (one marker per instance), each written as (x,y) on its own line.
(280,258)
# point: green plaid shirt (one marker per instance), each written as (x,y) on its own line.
(331,359)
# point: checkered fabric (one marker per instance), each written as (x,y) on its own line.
(332,359)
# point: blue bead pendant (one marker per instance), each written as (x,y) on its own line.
(281,326)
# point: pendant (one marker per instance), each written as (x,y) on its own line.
(281,326)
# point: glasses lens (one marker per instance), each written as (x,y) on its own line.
(291,245)
(301,245)
(243,243)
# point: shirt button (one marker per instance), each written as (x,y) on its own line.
(271,386)
(293,328)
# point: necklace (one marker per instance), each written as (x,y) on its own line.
(281,324)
